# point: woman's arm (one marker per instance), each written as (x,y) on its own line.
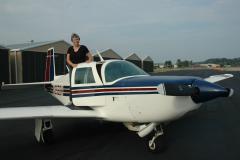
(69,62)
(90,57)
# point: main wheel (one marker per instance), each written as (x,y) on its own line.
(47,136)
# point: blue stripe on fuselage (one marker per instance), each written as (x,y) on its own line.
(138,81)
(155,80)
(146,81)
(116,93)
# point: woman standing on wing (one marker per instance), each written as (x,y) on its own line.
(77,53)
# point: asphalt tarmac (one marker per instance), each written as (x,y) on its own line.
(212,132)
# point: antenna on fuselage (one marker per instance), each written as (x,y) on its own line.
(100,56)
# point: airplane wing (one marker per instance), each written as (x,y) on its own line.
(57,111)
(7,86)
(217,78)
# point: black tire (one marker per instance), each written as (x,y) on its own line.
(47,136)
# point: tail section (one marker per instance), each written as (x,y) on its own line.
(50,72)
(49,76)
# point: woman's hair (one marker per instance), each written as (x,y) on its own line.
(74,35)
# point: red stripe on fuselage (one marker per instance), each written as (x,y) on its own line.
(113,90)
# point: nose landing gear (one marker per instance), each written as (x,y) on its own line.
(155,141)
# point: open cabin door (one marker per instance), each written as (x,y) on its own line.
(85,82)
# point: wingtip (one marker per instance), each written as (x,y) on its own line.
(228,75)
(231,92)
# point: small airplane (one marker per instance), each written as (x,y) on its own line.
(118,91)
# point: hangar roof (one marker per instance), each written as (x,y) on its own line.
(133,56)
(148,58)
(60,46)
(109,53)
(3,47)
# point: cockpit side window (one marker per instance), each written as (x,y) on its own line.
(84,76)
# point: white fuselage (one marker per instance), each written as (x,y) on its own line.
(140,108)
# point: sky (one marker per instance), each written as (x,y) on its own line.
(162,29)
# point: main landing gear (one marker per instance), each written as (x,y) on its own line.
(43,131)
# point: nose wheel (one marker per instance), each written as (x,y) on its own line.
(155,141)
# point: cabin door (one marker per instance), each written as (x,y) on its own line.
(85,83)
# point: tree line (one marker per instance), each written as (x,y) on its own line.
(234,62)
(179,63)
(224,61)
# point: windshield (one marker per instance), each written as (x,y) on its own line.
(118,69)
